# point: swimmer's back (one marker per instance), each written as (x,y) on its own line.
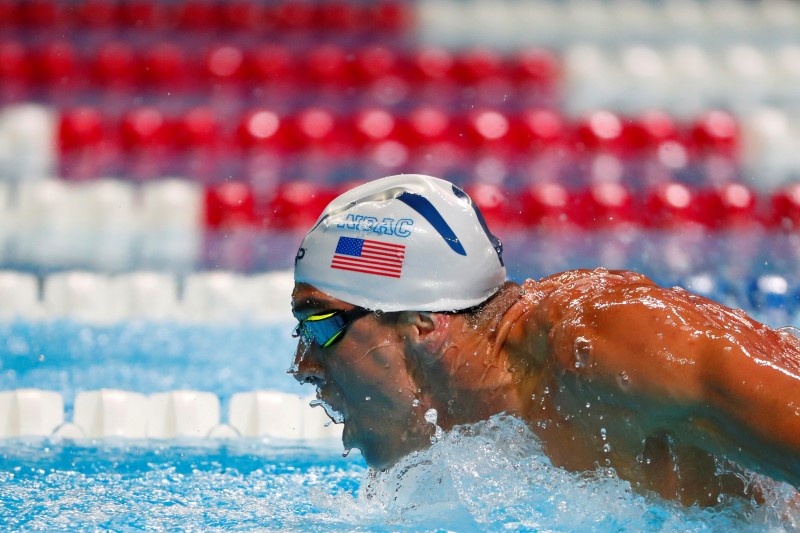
(681,363)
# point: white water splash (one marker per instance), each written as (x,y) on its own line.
(494,476)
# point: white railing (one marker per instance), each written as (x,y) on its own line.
(96,298)
(111,413)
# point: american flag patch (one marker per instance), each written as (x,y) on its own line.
(369,257)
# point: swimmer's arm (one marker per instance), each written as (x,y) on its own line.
(657,352)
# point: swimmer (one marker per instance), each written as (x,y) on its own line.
(403,306)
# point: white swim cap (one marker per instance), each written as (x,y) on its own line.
(403,243)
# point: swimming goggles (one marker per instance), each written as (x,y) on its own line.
(328,327)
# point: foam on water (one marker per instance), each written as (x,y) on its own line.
(494,476)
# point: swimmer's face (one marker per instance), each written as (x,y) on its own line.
(365,377)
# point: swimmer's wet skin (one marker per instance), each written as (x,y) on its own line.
(607,368)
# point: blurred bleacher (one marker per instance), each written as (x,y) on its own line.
(187,135)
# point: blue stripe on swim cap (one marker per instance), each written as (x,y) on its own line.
(496,244)
(424,207)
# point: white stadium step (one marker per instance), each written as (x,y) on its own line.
(112,413)
(80,296)
(171,224)
(19,296)
(30,413)
(146,295)
(273,292)
(279,415)
(27,147)
(208,297)
(555,22)
(183,413)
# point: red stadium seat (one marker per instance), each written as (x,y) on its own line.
(45,14)
(327,65)
(271,64)
(224,64)
(538,130)
(80,128)
(97,14)
(198,129)
(478,64)
(489,129)
(197,15)
(484,71)
(784,209)
(391,16)
(604,205)
(646,133)
(498,205)
(600,132)
(296,205)
(9,14)
(374,62)
(672,205)
(262,129)
(715,132)
(548,205)
(230,205)
(428,125)
(433,64)
(144,15)
(57,66)
(15,74)
(197,143)
(243,15)
(165,66)
(316,127)
(732,206)
(87,145)
(142,128)
(341,16)
(536,68)
(374,125)
(115,66)
(296,15)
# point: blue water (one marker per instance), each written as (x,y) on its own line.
(490,477)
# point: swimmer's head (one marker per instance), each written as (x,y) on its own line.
(403,243)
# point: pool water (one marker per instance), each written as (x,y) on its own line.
(490,476)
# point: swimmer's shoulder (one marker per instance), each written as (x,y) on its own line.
(597,278)
(546,300)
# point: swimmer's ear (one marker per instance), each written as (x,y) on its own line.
(423,329)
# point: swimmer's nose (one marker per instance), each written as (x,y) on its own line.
(306,367)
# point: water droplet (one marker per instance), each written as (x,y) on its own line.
(603,434)
(415,403)
(623,381)
(583,351)
(346,452)
(41,358)
(431,416)
(367,398)
(588,405)
(335,415)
